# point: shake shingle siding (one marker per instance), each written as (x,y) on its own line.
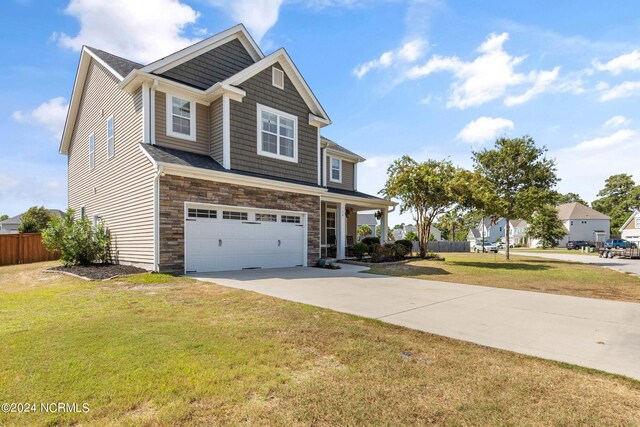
(244,142)
(200,145)
(119,189)
(213,66)
(347,176)
(216,130)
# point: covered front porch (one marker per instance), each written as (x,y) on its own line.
(339,222)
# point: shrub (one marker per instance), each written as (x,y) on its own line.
(411,236)
(388,252)
(369,241)
(78,241)
(359,249)
(408,244)
(34,220)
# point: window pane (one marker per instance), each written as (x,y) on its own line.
(286,127)
(91,143)
(266,217)
(181,125)
(110,128)
(269,122)
(335,174)
(286,147)
(269,143)
(180,107)
(335,164)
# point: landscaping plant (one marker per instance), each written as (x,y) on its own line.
(34,220)
(77,240)
(359,249)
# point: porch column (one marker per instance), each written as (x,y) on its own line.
(384,225)
(341,234)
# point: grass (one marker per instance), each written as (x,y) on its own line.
(554,251)
(158,350)
(523,273)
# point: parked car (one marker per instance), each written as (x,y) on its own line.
(486,247)
(501,245)
(579,244)
(619,244)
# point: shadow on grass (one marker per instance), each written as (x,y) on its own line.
(409,271)
(529,266)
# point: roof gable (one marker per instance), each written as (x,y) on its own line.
(578,211)
(119,66)
(634,214)
(212,66)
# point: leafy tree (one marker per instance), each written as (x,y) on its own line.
(424,189)
(570,198)
(34,220)
(364,230)
(546,226)
(390,235)
(412,236)
(78,241)
(3,217)
(519,175)
(451,221)
(619,196)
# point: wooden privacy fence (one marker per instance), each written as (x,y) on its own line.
(444,246)
(24,248)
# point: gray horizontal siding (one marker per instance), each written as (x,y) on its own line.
(213,66)
(244,143)
(200,145)
(348,181)
(119,189)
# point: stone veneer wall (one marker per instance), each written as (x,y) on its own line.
(175,190)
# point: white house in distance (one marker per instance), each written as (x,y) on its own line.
(631,229)
(400,233)
(370,220)
(489,228)
(517,232)
(581,223)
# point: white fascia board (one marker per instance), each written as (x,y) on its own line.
(362,201)
(184,55)
(635,213)
(101,62)
(318,122)
(231,178)
(344,156)
(281,56)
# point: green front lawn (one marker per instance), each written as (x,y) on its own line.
(562,251)
(158,350)
(525,273)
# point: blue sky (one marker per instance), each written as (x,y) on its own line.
(432,79)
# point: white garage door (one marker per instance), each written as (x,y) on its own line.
(230,238)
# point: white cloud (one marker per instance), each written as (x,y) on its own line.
(627,62)
(488,76)
(137,30)
(484,129)
(618,138)
(622,90)
(49,115)
(617,121)
(409,52)
(257,15)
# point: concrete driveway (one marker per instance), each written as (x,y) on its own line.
(624,265)
(588,332)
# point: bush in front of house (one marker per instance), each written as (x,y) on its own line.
(408,244)
(77,240)
(359,249)
(388,252)
(370,241)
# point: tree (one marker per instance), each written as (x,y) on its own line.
(424,189)
(619,196)
(546,226)
(34,220)
(519,175)
(411,235)
(390,235)
(364,230)
(451,221)
(3,217)
(570,198)
(399,226)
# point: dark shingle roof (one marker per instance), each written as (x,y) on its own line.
(353,193)
(121,65)
(335,146)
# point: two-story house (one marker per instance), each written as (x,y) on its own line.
(517,232)
(581,223)
(209,159)
(488,229)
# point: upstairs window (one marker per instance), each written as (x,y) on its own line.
(277,134)
(277,77)
(336,170)
(92,153)
(111,142)
(638,222)
(181,122)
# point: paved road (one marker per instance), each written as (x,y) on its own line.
(594,333)
(625,265)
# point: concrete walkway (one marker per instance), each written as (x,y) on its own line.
(588,332)
(624,265)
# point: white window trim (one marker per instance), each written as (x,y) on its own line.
(638,222)
(331,159)
(259,109)
(114,136)
(92,152)
(274,70)
(169,121)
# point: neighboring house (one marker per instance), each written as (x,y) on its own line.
(581,223)
(488,228)
(11,225)
(209,159)
(517,232)
(631,229)
(370,220)
(400,233)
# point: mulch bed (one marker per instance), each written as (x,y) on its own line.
(98,271)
